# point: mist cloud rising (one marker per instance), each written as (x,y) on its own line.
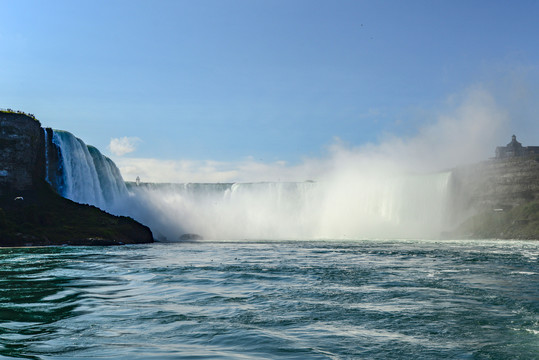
(397,188)
(466,132)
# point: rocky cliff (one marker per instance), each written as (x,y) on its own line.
(32,213)
(21,158)
(498,198)
(498,183)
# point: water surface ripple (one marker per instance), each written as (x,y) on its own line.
(267,300)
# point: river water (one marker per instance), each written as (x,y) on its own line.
(375,299)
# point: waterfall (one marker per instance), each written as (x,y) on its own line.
(355,204)
(111,182)
(400,206)
(87,176)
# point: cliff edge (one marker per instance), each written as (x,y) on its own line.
(32,213)
(21,139)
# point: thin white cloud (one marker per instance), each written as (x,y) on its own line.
(207,171)
(179,171)
(123,145)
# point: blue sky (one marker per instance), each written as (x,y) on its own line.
(213,85)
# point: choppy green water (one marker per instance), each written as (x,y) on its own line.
(270,300)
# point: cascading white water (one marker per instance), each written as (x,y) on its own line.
(403,206)
(88,176)
(112,185)
(358,202)
(231,211)
(400,206)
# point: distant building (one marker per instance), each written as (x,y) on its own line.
(138,180)
(515,149)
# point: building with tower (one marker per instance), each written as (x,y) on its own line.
(515,149)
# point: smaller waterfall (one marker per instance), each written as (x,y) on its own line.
(88,177)
(111,182)
(47,179)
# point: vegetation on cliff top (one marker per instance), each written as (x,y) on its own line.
(11,111)
(43,217)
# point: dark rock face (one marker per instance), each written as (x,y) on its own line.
(45,218)
(21,142)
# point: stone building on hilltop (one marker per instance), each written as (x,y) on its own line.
(515,149)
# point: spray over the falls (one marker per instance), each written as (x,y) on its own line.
(413,206)
(356,204)
(393,189)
